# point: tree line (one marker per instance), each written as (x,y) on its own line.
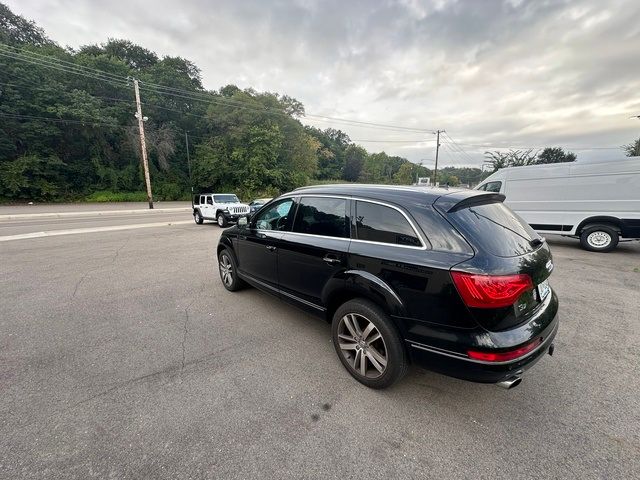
(67,129)
(65,135)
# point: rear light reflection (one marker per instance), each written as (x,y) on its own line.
(490,291)
(504,356)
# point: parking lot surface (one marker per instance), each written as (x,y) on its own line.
(122,356)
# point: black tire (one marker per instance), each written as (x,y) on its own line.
(221,220)
(390,344)
(234,283)
(197,217)
(599,238)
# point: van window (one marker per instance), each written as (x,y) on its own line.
(377,223)
(322,216)
(493,187)
(495,228)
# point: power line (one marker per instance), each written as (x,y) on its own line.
(484,146)
(28,55)
(175,91)
(121,84)
(395,141)
(69,67)
(59,120)
(455,146)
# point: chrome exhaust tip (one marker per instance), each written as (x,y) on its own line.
(510,382)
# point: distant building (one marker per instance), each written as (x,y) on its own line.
(423,182)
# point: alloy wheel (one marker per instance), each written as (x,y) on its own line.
(362,345)
(226,269)
(220,221)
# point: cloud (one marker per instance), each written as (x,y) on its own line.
(496,73)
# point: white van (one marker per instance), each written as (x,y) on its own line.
(596,202)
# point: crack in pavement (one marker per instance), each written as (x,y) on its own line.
(86,274)
(185,328)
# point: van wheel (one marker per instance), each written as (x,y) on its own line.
(222,222)
(599,238)
(368,344)
(197,217)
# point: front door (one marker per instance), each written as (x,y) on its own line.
(258,244)
(208,207)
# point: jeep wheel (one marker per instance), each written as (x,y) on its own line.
(197,217)
(368,344)
(222,222)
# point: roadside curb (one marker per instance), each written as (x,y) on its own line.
(25,216)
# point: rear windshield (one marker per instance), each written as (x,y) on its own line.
(495,228)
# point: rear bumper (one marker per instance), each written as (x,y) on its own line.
(474,371)
(456,364)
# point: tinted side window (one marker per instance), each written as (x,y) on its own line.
(275,217)
(322,216)
(493,187)
(377,223)
(209,201)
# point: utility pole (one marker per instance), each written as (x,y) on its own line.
(186,141)
(143,143)
(435,169)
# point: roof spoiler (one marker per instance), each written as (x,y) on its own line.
(477,200)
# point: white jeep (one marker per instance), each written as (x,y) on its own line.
(221,207)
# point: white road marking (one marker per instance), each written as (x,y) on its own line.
(75,231)
(25,216)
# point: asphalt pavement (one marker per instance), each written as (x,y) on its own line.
(122,356)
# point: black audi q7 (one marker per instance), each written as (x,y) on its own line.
(453,281)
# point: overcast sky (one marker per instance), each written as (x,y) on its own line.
(500,73)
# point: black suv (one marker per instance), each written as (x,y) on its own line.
(451,280)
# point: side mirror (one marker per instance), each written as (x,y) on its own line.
(242,222)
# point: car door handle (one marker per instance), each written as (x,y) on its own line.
(331,260)
(271,248)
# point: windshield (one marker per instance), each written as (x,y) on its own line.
(226,199)
(496,228)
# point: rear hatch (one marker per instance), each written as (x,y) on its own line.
(505,283)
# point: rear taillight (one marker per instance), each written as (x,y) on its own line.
(504,356)
(490,291)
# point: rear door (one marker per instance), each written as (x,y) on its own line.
(315,251)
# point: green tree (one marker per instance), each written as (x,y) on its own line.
(355,157)
(513,158)
(555,155)
(632,149)
(406,174)
(32,178)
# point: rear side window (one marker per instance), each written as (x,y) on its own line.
(322,216)
(378,223)
(495,228)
